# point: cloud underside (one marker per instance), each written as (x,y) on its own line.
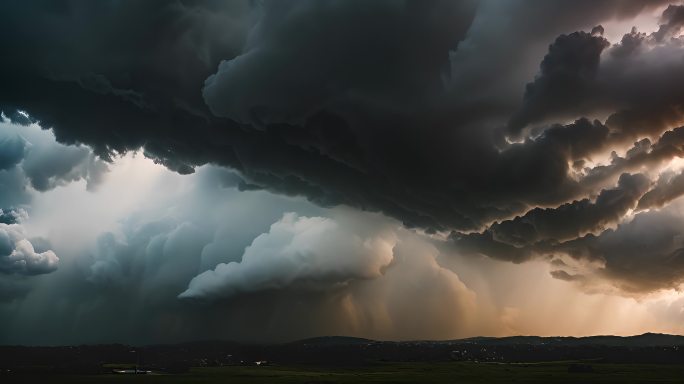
(346,103)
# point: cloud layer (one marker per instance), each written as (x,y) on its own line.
(316,114)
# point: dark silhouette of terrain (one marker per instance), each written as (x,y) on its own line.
(342,351)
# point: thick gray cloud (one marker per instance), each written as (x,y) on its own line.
(507,40)
(567,76)
(635,82)
(638,256)
(353,113)
(297,62)
(540,230)
(643,255)
(572,220)
(669,187)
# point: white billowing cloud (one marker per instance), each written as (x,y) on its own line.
(348,273)
(18,256)
(298,250)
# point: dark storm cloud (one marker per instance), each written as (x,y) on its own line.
(636,82)
(643,255)
(638,256)
(118,75)
(669,187)
(508,40)
(356,108)
(541,229)
(304,56)
(643,156)
(673,21)
(395,106)
(567,75)
(572,220)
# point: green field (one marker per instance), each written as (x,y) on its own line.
(460,372)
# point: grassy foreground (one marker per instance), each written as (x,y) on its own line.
(458,372)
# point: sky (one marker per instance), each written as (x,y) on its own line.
(266,171)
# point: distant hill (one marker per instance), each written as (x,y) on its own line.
(645,340)
(333,340)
